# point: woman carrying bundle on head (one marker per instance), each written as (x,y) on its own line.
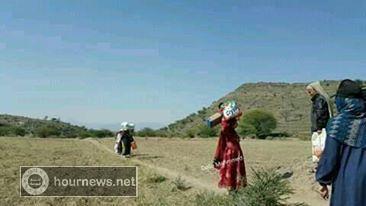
(229,159)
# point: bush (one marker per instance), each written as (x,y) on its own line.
(267,188)
(160,133)
(147,132)
(257,122)
(156,178)
(85,134)
(8,130)
(47,131)
(69,132)
(205,131)
(18,131)
(247,129)
(101,133)
(191,133)
(5,130)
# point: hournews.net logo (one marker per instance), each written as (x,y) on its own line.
(78,181)
(35,181)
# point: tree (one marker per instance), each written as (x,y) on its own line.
(257,122)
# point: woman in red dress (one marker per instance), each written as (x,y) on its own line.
(229,159)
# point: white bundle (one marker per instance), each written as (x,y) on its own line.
(318,144)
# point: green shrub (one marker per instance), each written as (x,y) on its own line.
(205,131)
(101,133)
(8,130)
(160,133)
(85,134)
(267,188)
(19,131)
(257,122)
(47,131)
(156,178)
(5,130)
(147,132)
(69,132)
(246,129)
(191,133)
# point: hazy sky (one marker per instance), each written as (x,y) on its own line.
(101,62)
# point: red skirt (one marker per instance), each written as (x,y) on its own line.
(231,158)
(232,167)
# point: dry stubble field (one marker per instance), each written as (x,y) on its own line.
(161,162)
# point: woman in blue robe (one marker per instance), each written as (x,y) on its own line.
(343,162)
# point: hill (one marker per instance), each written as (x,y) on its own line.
(11,125)
(287,101)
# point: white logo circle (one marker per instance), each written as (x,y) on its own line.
(35,181)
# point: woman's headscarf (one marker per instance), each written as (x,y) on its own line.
(320,90)
(349,126)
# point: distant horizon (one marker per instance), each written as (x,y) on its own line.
(155,125)
(113,127)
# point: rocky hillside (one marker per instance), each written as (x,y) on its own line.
(288,102)
(11,125)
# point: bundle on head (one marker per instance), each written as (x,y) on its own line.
(227,110)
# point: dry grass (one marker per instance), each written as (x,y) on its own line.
(185,157)
(15,152)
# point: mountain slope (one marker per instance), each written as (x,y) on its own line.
(288,102)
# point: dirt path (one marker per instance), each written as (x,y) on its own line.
(193,182)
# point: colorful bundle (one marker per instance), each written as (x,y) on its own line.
(228,110)
(231,110)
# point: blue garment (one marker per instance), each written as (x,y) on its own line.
(343,162)
(348,126)
(344,167)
